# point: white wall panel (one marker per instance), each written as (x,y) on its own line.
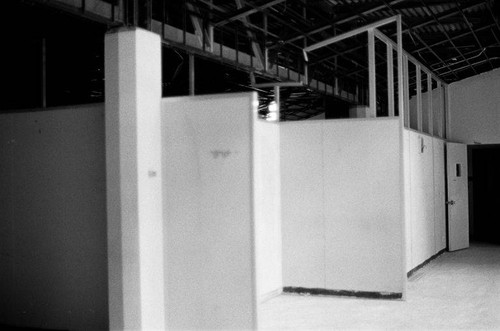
(422,197)
(302,180)
(425,198)
(342,222)
(363,221)
(407,188)
(208,203)
(439,195)
(475,109)
(266,153)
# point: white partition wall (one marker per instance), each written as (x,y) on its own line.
(343,218)
(221,196)
(425,197)
(439,195)
(267,208)
(302,180)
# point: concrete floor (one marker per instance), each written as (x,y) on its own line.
(459,290)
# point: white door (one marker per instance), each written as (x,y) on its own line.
(458,198)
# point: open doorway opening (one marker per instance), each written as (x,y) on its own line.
(484,195)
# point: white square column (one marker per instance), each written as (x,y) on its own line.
(134,189)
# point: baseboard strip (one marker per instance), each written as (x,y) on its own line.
(423,264)
(358,294)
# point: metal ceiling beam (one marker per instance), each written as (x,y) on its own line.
(470,55)
(494,19)
(419,38)
(251,26)
(446,14)
(458,36)
(247,11)
(349,34)
(473,32)
(340,21)
(408,28)
(443,30)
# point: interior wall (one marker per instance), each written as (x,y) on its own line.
(475,109)
(208,199)
(303,224)
(425,204)
(342,222)
(439,194)
(53,212)
(267,206)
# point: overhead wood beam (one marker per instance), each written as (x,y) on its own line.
(240,13)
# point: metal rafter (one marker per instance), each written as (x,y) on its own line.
(455,37)
(336,23)
(388,5)
(409,28)
(243,12)
(473,32)
(443,30)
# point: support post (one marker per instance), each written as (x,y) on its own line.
(419,97)
(441,121)
(406,93)
(133,180)
(430,117)
(277,97)
(390,80)
(191,75)
(401,89)
(371,70)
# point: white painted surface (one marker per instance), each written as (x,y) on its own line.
(458,211)
(362,205)
(422,197)
(475,109)
(53,260)
(267,206)
(439,195)
(302,179)
(407,188)
(134,190)
(342,221)
(208,199)
(425,197)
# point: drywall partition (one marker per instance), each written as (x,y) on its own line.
(342,205)
(53,258)
(474,105)
(425,197)
(303,228)
(267,208)
(439,195)
(213,153)
(422,197)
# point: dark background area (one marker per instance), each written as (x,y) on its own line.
(484,193)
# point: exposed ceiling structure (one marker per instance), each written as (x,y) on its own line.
(453,38)
(456,39)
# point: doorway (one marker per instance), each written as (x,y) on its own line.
(484,193)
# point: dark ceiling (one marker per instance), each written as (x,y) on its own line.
(455,39)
